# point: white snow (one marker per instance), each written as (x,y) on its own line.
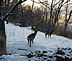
(16,40)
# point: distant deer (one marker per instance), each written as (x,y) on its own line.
(49,30)
(31,37)
(48,33)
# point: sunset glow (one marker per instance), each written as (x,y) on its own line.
(29,2)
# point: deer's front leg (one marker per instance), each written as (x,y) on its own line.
(28,41)
(30,44)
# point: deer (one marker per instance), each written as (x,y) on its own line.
(49,30)
(31,37)
(48,33)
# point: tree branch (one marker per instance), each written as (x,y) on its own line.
(12,9)
(67,20)
(56,3)
(41,3)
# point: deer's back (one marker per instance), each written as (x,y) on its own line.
(31,36)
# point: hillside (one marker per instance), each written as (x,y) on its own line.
(43,49)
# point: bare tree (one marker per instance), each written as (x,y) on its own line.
(32,14)
(67,20)
(2,27)
(57,12)
(2,34)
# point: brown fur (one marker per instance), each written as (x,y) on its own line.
(31,37)
(49,35)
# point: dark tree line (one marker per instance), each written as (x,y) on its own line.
(54,10)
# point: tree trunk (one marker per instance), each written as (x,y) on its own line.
(2,35)
(2,38)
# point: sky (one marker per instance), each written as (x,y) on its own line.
(43,0)
(29,2)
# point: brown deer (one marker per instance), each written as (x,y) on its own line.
(48,33)
(31,37)
(50,29)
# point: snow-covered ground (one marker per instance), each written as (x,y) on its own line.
(18,47)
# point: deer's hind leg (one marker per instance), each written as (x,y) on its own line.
(49,36)
(32,40)
(46,35)
(28,41)
(30,44)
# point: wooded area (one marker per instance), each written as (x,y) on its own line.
(44,19)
